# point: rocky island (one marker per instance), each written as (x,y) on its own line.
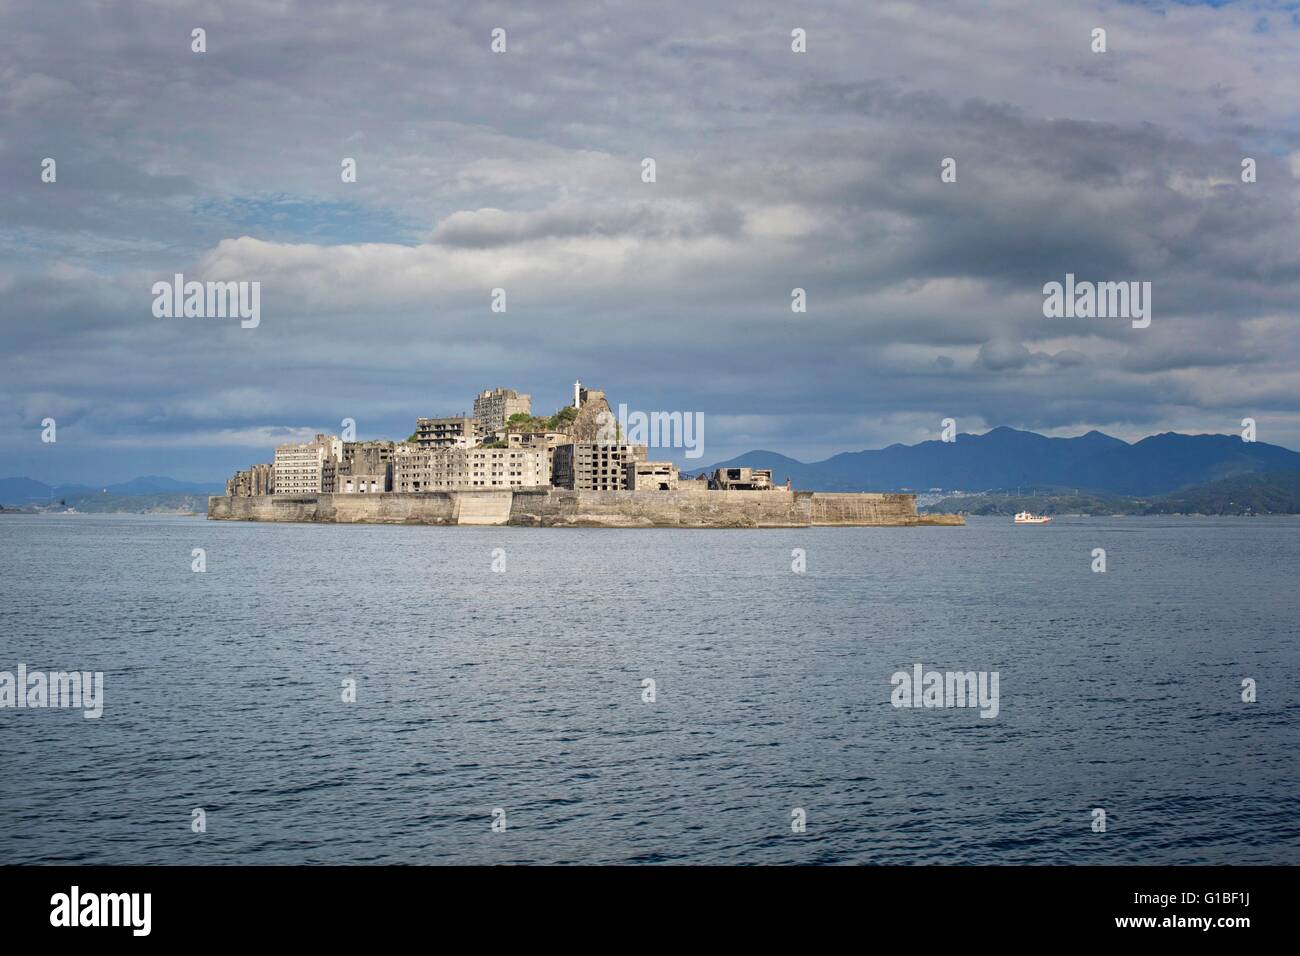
(578,468)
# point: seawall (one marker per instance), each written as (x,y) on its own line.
(561,508)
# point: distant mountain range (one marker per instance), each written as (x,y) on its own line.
(1006,458)
(27,492)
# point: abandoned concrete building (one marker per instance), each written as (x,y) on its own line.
(463,453)
(594,466)
(493,408)
(455,432)
(329,465)
(545,441)
(468,469)
(361,484)
(257,480)
(741,479)
(367,468)
(308,468)
(651,476)
(367,456)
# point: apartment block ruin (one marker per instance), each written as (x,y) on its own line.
(651,476)
(309,468)
(468,469)
(493,408)
(455,432)
(329,465)
(741,479)
(367,467)
(546,441)
(594,466)
(257,480)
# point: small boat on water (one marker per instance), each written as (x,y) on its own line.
(1026,517)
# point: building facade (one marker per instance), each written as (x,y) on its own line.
(493,408)
(457,432)
(741,479)
(367,467)
(307,469)
(362,484)
(535,439)
(546,441)
(469,469)
(651,476)
(257,480)
(367,455)
(594,466)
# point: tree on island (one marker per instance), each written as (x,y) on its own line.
(523,422)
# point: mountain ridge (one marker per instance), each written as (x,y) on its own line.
(22,491)
(1005,457)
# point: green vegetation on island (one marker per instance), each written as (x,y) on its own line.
(522,422)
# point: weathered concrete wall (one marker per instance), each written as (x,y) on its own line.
(427,508)
(691,507)
(661,509)
(264,508)
(858,509)
(488,507)
(423,508)
(945,521)
(854,509)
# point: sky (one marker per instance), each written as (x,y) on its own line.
(523,171)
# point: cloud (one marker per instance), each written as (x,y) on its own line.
(1002,356)
(522,171)
(1068,358)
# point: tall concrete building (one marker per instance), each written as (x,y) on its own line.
(547,441)
(493,408)
(367,467)
(307,469)
(367,456)
(469,469)
(257,480)
(455,432)
(594,466)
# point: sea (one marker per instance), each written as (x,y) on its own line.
(313,693)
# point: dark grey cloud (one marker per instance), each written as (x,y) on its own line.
(775,171)
(1001,356)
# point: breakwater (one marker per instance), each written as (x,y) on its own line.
(559,508)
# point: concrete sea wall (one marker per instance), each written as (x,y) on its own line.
(873,509)
(561,508)
(432,508)
(661,509)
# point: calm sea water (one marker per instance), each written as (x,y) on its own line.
(522,690)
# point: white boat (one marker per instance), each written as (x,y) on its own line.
(1026,517)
